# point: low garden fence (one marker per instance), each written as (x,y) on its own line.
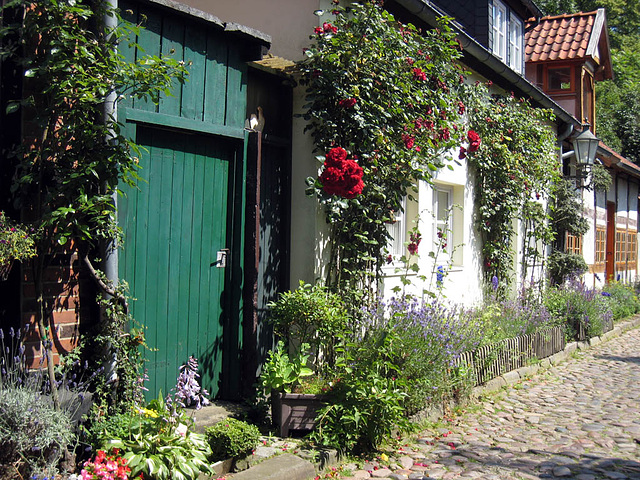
(491,361)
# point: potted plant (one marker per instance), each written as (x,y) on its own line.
(15,244)
(280,377)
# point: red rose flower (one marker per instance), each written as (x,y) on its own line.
(444,134)
(463,153)
(347,102)
(318,30)
(418,74)
(461,107)
(341,176)
(335,157)
(409,141)
(474,141)
(328,28)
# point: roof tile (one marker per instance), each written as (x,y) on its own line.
(561,37)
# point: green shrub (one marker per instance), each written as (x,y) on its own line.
(310,314)
(564,265)
(33,436)
(622,299)
(581,310)
(232,438)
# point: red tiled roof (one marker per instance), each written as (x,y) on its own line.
(561,37)
(612,157)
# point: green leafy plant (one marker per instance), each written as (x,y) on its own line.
(283,372)
(158,444)
(367,398)
(310,314)
(600,178)
(622,299)
(232,438)
(563,265)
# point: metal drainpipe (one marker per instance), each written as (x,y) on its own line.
(110,264)
(110,260)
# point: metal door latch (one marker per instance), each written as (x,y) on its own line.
(221,258)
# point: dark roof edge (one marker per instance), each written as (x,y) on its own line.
(428,12)
(231,27)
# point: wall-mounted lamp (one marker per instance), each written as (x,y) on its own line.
(585,145)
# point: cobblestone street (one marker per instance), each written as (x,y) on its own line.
(578,420)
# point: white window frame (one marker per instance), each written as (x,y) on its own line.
(398,232)
(443,223)
(516,41)
(500,30)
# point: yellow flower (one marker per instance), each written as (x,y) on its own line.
(149,413)
(384,457)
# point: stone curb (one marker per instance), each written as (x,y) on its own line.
(519,374)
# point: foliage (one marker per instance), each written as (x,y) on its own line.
(600,178)
(105,467)
(33,435)
(622,299)
(232,438)
(282,371)
(563,265)
(309,314)
(157,443)
(366,400)
(582,311)
(515,167)
(16,243)
(385,95)
(116,344)
(566,210)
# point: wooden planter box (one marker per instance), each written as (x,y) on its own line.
(295,411)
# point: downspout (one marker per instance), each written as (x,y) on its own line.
(110,264)
(110,253)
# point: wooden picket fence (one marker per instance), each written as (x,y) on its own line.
(491,361)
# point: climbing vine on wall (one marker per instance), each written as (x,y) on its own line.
(384,111)
(516,168)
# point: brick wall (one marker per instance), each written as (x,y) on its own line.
(61,283)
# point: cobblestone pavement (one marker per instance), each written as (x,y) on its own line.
(578,420)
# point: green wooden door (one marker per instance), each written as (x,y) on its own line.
(175,223)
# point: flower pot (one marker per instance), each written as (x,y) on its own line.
(295,411)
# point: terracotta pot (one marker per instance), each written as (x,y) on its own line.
(295,411)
